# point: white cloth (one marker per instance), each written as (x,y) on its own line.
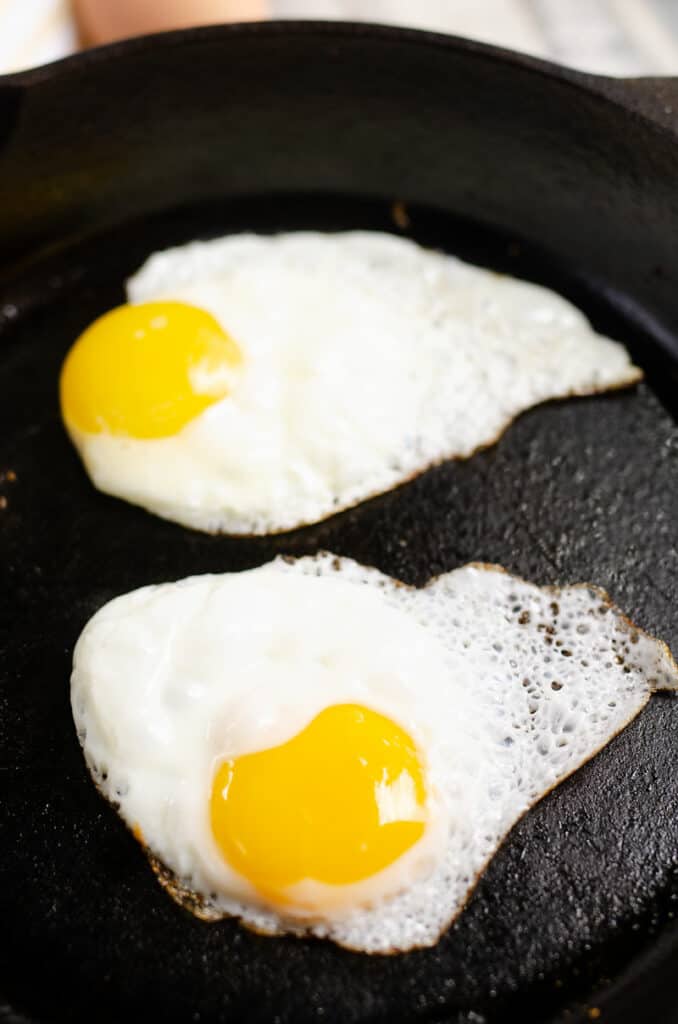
(617,37)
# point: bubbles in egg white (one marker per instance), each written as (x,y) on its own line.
(507,688)
(366,358)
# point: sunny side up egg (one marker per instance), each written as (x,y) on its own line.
(257,383)
(312,746)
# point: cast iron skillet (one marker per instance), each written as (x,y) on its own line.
(560,177)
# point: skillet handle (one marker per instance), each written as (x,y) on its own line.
(655,99)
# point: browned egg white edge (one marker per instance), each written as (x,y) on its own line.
(196,905)
(400,217)
(634,375)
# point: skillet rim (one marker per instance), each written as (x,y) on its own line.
(633,94)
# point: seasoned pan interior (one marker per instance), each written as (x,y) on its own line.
(585,489)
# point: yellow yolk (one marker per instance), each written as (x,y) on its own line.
(337,803)
(145,371)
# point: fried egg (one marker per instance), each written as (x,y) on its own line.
(316,748)
(254,384)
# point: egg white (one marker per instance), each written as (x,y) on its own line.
(367,358)
(506,688)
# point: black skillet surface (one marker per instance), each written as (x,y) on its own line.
(551,175)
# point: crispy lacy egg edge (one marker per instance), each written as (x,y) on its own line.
(196,904)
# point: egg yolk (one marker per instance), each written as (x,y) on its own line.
(145,371)
(337,803)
